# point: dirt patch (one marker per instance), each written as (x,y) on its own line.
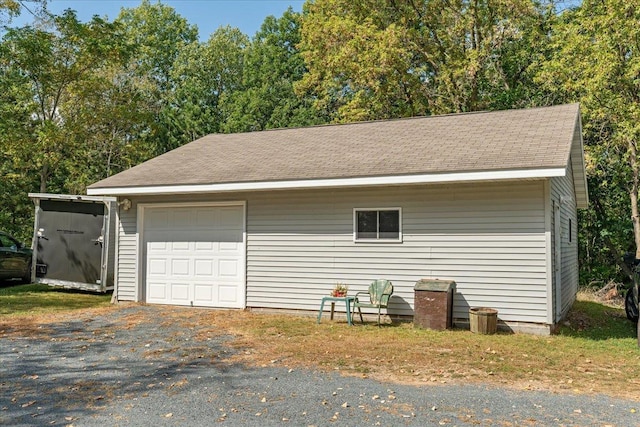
(39,325)
(579,321)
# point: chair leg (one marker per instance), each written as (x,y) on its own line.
(360,311)
(378,316)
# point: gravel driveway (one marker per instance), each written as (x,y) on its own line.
(105,372)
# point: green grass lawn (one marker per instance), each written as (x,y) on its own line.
(21,300)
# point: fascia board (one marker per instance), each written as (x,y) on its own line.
(329,183)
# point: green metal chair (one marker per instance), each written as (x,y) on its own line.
(377,297)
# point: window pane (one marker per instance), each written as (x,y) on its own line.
(367,224)
(389,224)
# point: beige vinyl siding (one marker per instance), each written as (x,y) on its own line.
(488,237)
(127,255)
(563,193)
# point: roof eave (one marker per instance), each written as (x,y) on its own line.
(448,178)
(578,166)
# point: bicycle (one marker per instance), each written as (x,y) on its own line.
(631,299)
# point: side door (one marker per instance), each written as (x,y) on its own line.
(70,241)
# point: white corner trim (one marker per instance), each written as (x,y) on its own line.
(330,183)
(548,234)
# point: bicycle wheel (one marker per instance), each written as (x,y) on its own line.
(630,307)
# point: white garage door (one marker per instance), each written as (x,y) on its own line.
(195,255)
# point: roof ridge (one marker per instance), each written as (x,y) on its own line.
(398,119)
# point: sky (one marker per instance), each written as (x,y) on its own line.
(208,15)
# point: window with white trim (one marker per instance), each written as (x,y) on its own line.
(377,225)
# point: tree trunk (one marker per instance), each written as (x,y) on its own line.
(44,176)
(633,195)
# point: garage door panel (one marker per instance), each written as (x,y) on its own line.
(157,246)
(203,294)
(195,255)
(180,246)
(228,268)
(181,267)
(178,235)
(230,247)
(204,246)
(157,267)
(204,268)
(228,293)
(157,291)
(180,293)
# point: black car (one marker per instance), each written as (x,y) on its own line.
(15,259)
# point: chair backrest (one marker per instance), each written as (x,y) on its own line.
(380,291)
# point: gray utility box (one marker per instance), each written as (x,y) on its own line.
(74,241)
(433,304)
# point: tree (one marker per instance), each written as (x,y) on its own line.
(385,58)
(158,35)
(272,66)
(597,61)
(111,117)
(9,9)
(202,74)
(40,70)
(15,127)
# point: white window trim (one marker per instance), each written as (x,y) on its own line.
(388,208)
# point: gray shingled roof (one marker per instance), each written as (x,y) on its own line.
(536,138)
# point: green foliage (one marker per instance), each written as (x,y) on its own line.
(9,9)
(158,35)
(272,66)
(43,69)
(202,74)
(380,58)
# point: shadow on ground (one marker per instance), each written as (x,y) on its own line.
(66,371)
